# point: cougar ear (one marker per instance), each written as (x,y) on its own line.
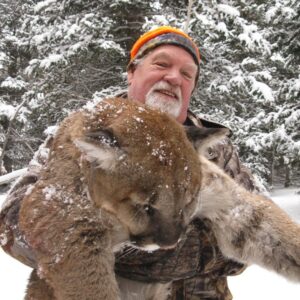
(101,148)
(202,138)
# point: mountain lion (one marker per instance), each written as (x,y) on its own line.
(120,172)
(126,173)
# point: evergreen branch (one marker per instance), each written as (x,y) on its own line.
(9,129)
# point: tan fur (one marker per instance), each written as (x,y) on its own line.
(249,228)
(38,288)
(120,172)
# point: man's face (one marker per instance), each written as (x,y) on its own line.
(164,79)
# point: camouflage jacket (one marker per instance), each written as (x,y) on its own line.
(196,267)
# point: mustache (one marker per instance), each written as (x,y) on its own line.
(163,85)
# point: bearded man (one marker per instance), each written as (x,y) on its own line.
(162,73)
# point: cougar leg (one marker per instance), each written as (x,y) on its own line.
(38,289)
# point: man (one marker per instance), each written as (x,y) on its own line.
(162,72)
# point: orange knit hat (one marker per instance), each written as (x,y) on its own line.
(160,36)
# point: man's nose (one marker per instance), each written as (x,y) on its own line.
(173,77)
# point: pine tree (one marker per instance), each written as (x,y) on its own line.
(249,77)
(66,52)
(57,55)
(13,86)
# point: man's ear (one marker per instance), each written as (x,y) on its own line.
(130,72)
(203,138)
(100,148)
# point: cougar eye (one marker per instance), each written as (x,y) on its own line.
(149,210)
(103,136)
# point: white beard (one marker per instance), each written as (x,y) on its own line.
(155,100)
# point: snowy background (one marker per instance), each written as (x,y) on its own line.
(255,283)
(55,55)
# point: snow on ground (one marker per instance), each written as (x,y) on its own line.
(254,283)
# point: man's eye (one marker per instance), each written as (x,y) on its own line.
(161,64)
(187,75)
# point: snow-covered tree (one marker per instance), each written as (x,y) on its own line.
(249,77)
(60,54)
(14,143)
(56,55)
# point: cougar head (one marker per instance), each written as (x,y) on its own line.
(141,168)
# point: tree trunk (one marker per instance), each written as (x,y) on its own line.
(287,180)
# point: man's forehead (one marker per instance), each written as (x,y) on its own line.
(167,52)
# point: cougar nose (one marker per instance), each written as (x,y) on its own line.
(169,235)
(165,237)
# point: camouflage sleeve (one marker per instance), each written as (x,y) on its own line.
(226,157)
